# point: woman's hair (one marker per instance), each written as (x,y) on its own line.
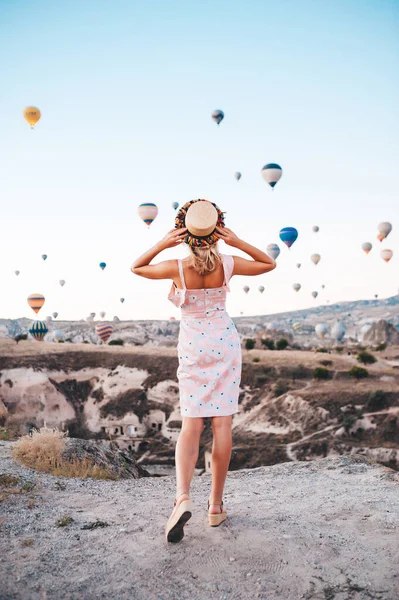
(204,259)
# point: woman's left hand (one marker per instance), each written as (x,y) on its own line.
(173,238)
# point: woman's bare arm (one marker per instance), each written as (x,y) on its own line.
(261,263)
(165,269)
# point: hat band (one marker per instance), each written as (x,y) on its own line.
(201,237)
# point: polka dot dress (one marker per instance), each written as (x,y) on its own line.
(209,349)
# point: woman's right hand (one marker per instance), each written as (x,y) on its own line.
(174,237)
(228,236)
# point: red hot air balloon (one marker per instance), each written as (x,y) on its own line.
(104,331)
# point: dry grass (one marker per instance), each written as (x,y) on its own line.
(43,449)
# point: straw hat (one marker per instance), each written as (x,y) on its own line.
(200,217)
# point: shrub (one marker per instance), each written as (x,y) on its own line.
(348,420)
(280,388)
(21,337)
(116,342)
(282,344)
(268,343)
(320,373)
(42,450)
(249,344)
(377,400)
(326,363)
(366,358)
(260,379)
(86,342)
(358,372)
(256,359)
(339,349)
(381,347)
(325,350)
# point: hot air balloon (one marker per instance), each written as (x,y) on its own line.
(218,116)
(296,286)
(175,205)
(321,330)
(93,314)
(261,288)
(246,288)
(172,318)
(49,318)
(288,235)
(298,265)
(122,300)
(366,247)
(32,115)
(386,254)
(102,265)
(58,335)
(62,282)
(104,331)
(148,211)
(323,286)
(273,251)
(376,296)
(116,319)
(16,272)
(36,301)
(102,314)
(38,330)
(315,228)
(338,331)
(55,315)
(315,258)
(89,319)
(384,229)
(44,256)
(237,175)
(297,326)
(315,294)
(271,173)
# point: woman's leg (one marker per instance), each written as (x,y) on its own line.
(186,455)
(221,453)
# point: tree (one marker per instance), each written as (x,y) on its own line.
(249,344)
(282,344)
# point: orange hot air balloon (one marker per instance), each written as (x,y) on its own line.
(32,115)
(36,301)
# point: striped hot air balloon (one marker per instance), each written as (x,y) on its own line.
(38,330)
(148,211)
(36,301)
(288,235)
(271,173)
(104,331)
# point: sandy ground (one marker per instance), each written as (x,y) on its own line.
(320,530)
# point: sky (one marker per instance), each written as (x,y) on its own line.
(126,90)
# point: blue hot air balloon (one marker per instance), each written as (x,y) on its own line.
(38,330)
(288,235)
(102,265)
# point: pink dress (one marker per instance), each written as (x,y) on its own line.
(209,349)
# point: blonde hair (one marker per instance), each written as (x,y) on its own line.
(204,259)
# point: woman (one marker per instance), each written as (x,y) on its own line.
(209,348)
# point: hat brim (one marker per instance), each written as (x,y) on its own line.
(194,240)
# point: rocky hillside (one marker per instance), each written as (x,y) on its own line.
(326,529)
(299,325)
(287,410)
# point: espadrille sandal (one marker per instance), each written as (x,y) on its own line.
(216,519)
(174,530)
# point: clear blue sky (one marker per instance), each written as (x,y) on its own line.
(126,90)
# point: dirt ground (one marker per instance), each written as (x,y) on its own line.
(321,530)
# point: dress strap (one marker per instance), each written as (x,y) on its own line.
(228,266)
(181,274)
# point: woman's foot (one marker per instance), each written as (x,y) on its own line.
(216,513)
(182,511)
